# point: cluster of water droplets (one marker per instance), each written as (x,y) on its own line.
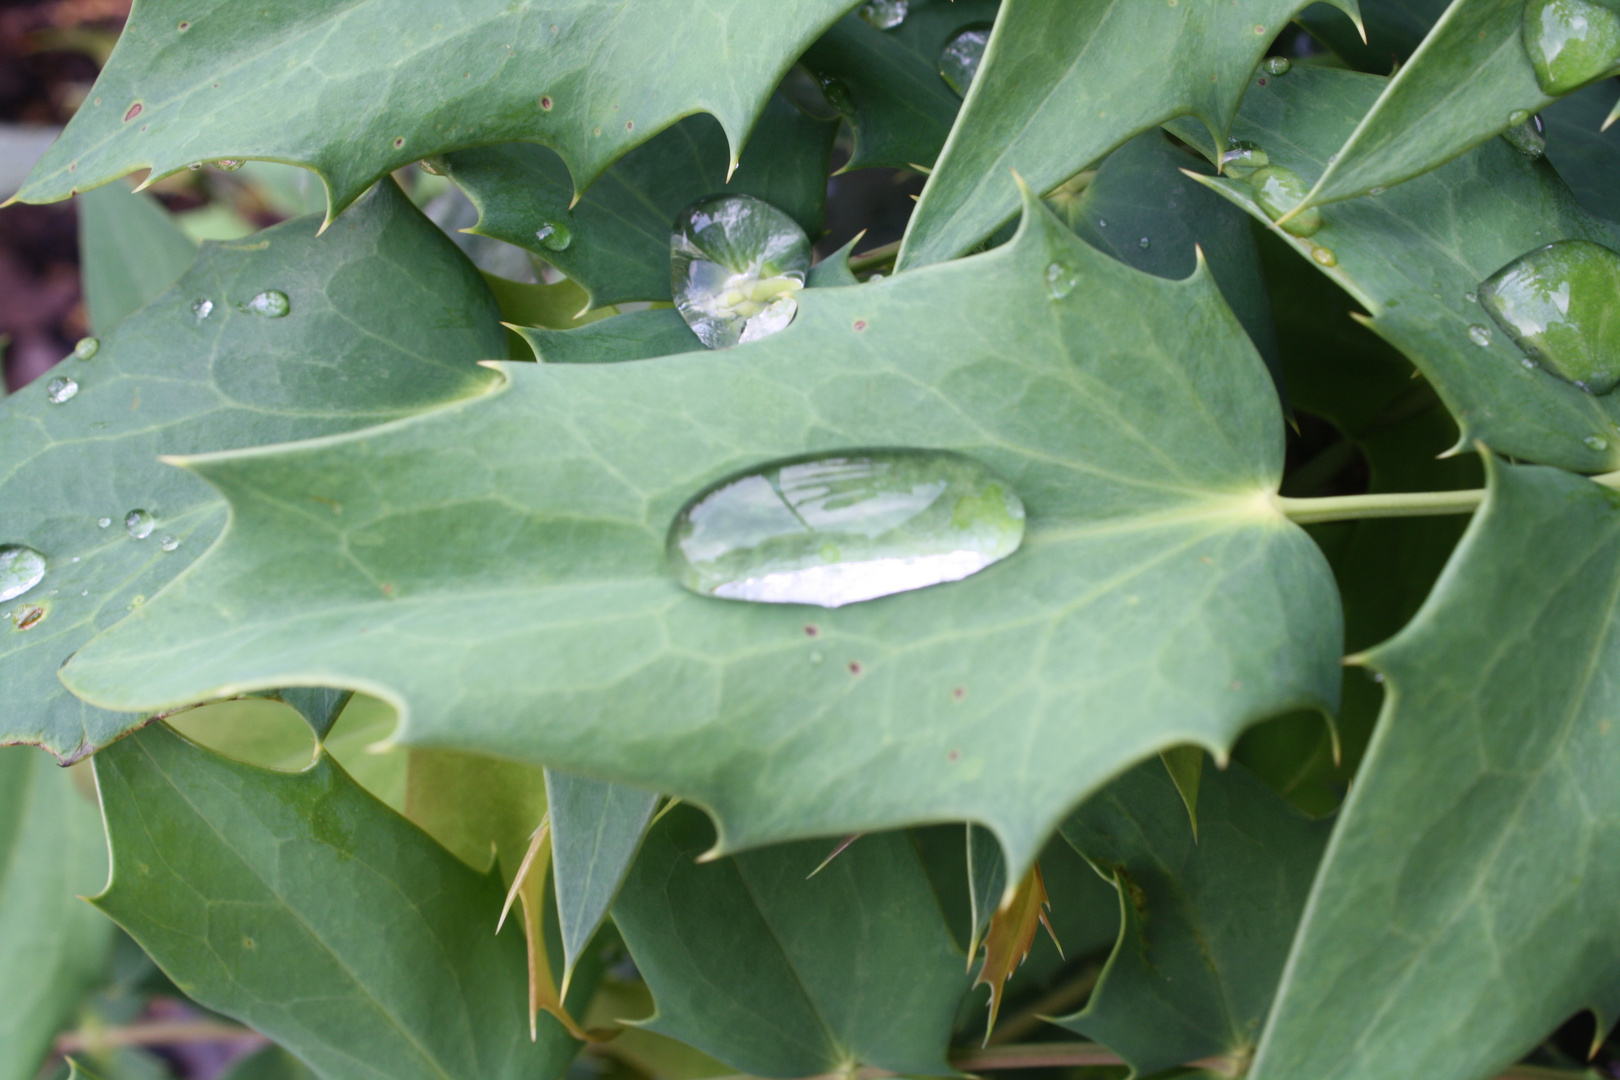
(885,14)
(1560,304)
(1571,42)
(959,60)
(1277,189)
(737,265)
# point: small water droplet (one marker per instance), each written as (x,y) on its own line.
(202,309)
(169,543)
(61,390)
(1518,116)
(1279,190)
(737,265)
(1061,279)
(554,236)
(103,522)
(1144,243)
(1279,65)
(1102,223)
(1527,137)
(1376,190)
(272,304)
(195,166)
(1471,297)
(816,658)
(433,166)
(959,60)
(1595,443)
(1479,335)
(885,14)
(841,529)
(1570,42)
(1560,304)
(836,94)
(228,164)
(87,348)
(1324,256)
(21,568)
(139,524)
(1243,159)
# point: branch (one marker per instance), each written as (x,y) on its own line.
(155,1033)
(878,256)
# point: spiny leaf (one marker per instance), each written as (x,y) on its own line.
(1011,933)
(1394,30)
(987,884)
(319,83)
(1063,82)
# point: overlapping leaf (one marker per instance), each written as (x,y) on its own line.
(1064,81)
(386,317)
(1465,904)
(356,88)
(1586,155)
(129,252)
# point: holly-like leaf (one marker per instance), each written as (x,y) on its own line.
(53,946)
(1063,83)
(386,317)
(1207,920)
(1476,899)
(1586,154)
(130,250)
(618,236)
(504,559)
(1415,256)
(305,908)
(639,335)
(987,884)
(783,975)
(354,92)
(1010,936)
(1394,29)
(319,706)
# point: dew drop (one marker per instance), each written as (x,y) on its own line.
(554,236)
(1527,137)
(21,568)
(272,304)
(433,166)
(169,543)
(836,94)
(1061,279)
(1518,116)
(103,523)
(1279,190)
(1479,335)
(840,529)
(1324,256)
(1144,243)
(959,61)
(1376,190)
(1279,65)
(195,166)
(61,390)
(139,524)
(1243,159)
(201,309)
(1560,304)
(1595,443)
(737,265)
(228,164)
(1471,297)
(1570,42)
(87,348)
(885,14)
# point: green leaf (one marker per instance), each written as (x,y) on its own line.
(640,335)
(321,83)
(1586,156)
(305,908)
(480,808)
(1469,886)
(271,1063)
(318,706)
(987,883)
(1132,415)
(1207,920)
(1063,82)
(53,946)
(386,318)
(1394,29)
(78,1072)
(619,234)
(596,828)
(1403,260)
(1185,764)
(782,975)
(130,251)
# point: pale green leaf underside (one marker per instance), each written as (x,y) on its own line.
(300,905)
(498,568)
(1464,911)
(386,317)
(1063,82)
(1414,255)
(356,88)
(130,250)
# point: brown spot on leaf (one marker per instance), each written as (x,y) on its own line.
(545,103)
(812,630)
(134,111)
(860,324)
(855,667)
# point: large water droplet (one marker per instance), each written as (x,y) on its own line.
(139,524)
(272,304)
(840,529)
(885,14)
(1561,305)
(554,236)
(959,61)
(737,264)
(1570,42)
(87,348)
(61,390)
(1279,190)
(21,568)
(1242,159)
(1526,137)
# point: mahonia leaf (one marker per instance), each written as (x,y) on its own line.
(314,83)
(1063,82)
(1012,931)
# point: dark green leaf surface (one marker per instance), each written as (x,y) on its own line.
(305,908)
(271,1063)
(356,88)
(504,560)
(318,706)
(780,974)
(1063,82)
(620,232)
(53,946)
(387,317)
(1413,256)
(1207,920)
(130,251)
(1465,905)
(640,335)
(1394,28)
(1587,157)
(987,883)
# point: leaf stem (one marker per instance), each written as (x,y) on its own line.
(878,256)
(1393,505)
(155,1033)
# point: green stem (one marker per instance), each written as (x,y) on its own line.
(878,256)
(1415,504)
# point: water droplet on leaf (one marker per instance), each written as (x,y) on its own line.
(1526,137)
(228,164)
(554,236)
(61,390)
(1595,443)
(836,94)
(1324,256)
(103,522)
(885,14)
(272,304)
(1570,42)
(1242,159)
(1479,335)
(1279,190)
(840,529)
(959,61)
(169,543)
(1144,243)
(87,348)
(737,264)
(202,309)
(21,568)
(1279,65)
(1561,305)
(139,524)
(1061,280)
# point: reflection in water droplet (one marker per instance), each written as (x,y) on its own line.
(202,309)
(21,568)
(139,524)
(87,348)
(1061,279)
(272,304)
(1279,190)
(61,389)
(737,264)
(554,236)
(1570,42)
(1595,443)
(959,61)
(1527,137)
(1561,305)
(885,14)
(1242,159)
(840,529)
(228,164)
(1144,243)
(169,543)
(1279,65)
(1479,335)
(103,522)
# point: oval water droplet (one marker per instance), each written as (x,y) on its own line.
(21,568)
(201,309)
(1471,297)
(554,236)
(169,543)
(1518,116)
(139,524)
(1279,190)
(1570,42)
(87,348)
(1593,442)
(1061,279)
(885,14)
(836,94)
(272,304)
(1527,137)
(61,390)
(1561,305)
(103,522)
(1144,243)
(959,60)
(1324,256)
(1479,335)
(737,265)
(1242,159)
(228,164)
(839,529)
(1279,65)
